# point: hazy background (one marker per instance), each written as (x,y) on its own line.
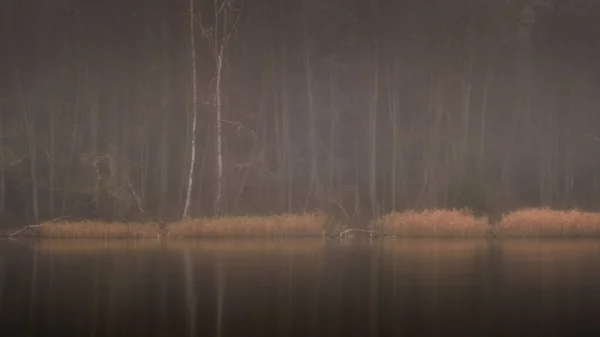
(365,106)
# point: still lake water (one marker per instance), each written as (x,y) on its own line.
(300,288)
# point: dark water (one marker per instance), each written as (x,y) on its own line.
(300,288)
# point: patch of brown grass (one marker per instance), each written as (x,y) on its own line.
(287,225)
(98,230)
(534,222)
(433,223)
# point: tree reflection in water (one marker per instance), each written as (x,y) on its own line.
(299,288)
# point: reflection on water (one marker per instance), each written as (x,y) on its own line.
(300,288)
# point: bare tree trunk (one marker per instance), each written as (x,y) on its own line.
(30,131)
(484,110)
(188,198)
(372,124)
(144,158)
(278,130)
(221,32)
(431,157)
(217,206)
(94,126)
(467,87)
(285,120)
(312,117)
(164,167)
(71,155)
(568,175)
(30,125)
(51,164)
(185,153)
(163,181)
(373,109)
(333,120)
(2,164)
(393,110)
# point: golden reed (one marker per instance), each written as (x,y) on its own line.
(531,222)
(432,223)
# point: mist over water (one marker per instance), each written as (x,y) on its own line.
(299,288)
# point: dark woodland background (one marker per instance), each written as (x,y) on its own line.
(351,106)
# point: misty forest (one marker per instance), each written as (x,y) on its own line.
(163,109)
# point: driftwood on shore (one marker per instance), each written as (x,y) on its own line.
(351,233)
(14,232)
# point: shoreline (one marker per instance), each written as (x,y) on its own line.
(432,223)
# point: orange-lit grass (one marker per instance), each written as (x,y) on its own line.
(433,223)
(540,222)
(287,225)
(98,229)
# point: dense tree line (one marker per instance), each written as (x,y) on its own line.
(355,107)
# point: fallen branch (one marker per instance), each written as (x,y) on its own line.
(350,233)
(30,227)
(24,228)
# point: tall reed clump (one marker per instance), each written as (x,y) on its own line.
(540,222)
(98,230)
(287,225)
(433,223)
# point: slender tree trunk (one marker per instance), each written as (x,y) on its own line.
(285,120)
(51,164)
(333,120)
(32,161)
(467,87)
(285,115)
(164,167)
(2,164)
(568,175)
(484,110)
(372,124)
(277,128)
(312,116)
(163,181)
(71,155)
(144,157)
(393,110)
(94,126)
(203,161)
(373,108)
(30,131)
(184,170)
(217,206)
(190,185)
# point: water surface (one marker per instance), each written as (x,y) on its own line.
(300,288)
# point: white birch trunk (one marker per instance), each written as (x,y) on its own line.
(188,198)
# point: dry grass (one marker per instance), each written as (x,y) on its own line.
(428,223)
(541,222)
(297,225)
(98,229)
(433,223)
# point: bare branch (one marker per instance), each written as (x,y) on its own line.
(596,138)
(240,127)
